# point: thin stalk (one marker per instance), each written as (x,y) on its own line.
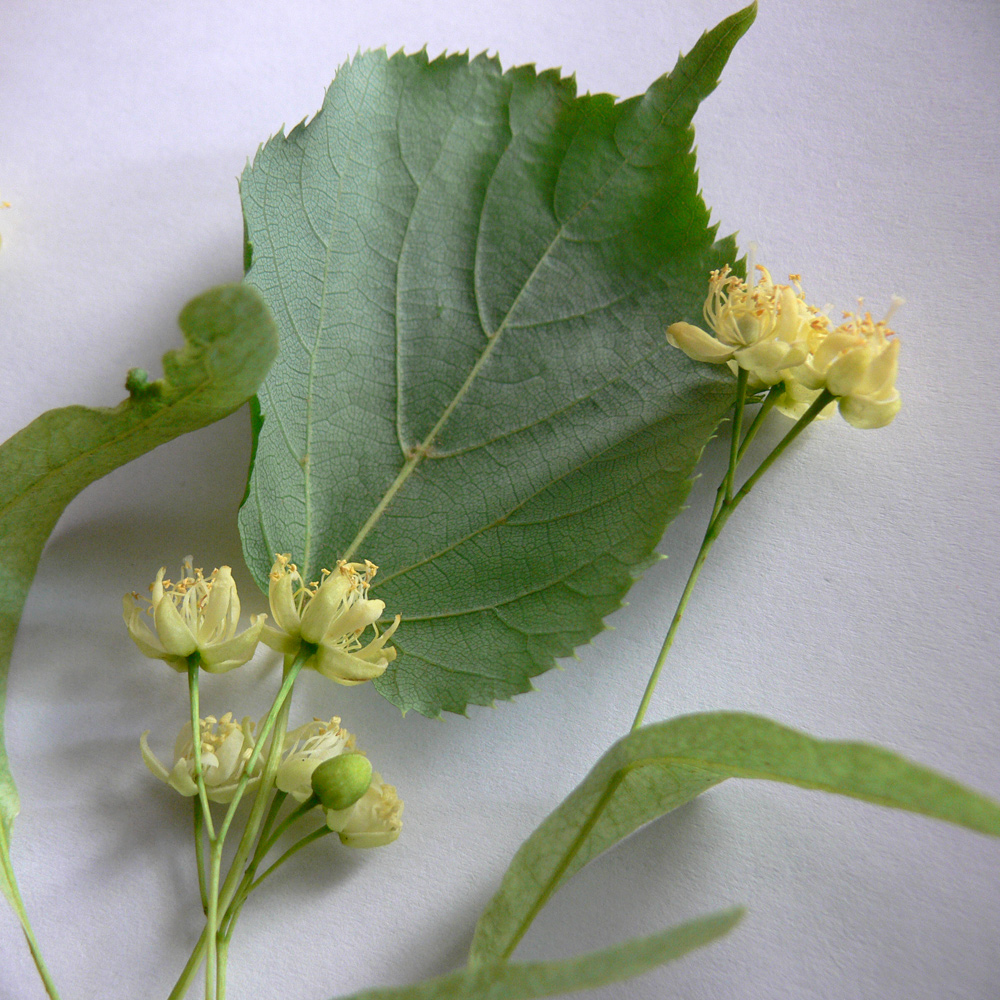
(725,503)
(734,438)
(294,849)
(194,667)
(220,976)
(199,853)
(759,417)
(275,721)
(293,817)
(17,903)
(821,402)
(306,650)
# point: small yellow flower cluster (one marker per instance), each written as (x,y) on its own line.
(772,332)
(200,614)
(371,820)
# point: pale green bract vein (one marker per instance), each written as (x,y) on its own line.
(471,271)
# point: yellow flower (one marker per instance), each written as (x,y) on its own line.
(764,328)
(857,363)
(333,615)
(373,821)
(225,749)
(305,749)
(195,614)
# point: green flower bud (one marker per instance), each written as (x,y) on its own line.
(340,781)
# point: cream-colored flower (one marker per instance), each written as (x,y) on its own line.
(373,821)
(857,363)
(305,749)
(333,615)
(764,328)
(225,749)
(195,614)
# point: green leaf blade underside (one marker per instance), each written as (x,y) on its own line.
(472,272)
(230,343)
(662,766)
(544,979)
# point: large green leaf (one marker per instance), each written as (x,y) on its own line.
(505,981)
(231,342)
(662,766)
(471,273)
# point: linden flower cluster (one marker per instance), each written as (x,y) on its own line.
(332,615)
(776,336)
(357,804)
(196,622)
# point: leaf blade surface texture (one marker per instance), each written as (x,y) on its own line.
(662,766)
(472,272)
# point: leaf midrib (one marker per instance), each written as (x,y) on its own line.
(419,453)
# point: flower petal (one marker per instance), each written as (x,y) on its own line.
(219,657)
(173,631)
(697,344)
(151,760)
(347,668)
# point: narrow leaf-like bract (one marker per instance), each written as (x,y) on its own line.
(662,766)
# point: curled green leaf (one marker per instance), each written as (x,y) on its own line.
(662,766)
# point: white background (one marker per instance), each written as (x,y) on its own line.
(854,596)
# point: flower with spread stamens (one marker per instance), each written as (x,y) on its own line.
(225,749)
(764,328)
(332,615)
(305,749)
(857,363)
(197,614)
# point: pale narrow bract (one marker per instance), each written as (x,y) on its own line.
(196,614)
(225,749)
(333,615)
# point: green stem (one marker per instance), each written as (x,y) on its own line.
(220,977)
(725,504)
(821,402)
(13,895)
(762,411)
(199,853)
(294,849)
(275,721)
(293,817)
(265,830)
(279,707)
(734,438)
(212,920)
(194,667)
